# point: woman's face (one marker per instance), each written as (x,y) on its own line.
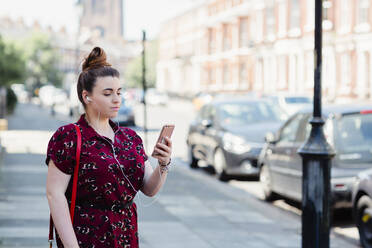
(105,97)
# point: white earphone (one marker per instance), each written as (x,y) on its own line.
(88,99)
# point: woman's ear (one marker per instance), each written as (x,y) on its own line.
(85,96)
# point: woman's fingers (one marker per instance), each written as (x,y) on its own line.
(169,141)
(163,147)
(161,152)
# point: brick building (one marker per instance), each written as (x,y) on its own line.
(267,46)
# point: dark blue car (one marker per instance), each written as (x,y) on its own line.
(229,135)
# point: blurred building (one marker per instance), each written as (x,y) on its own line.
(181,43)
(101,24)
(104,16)
(267,46)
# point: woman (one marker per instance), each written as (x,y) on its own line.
(113,166)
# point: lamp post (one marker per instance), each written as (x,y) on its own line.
(316,161)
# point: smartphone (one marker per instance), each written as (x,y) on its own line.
(166,131)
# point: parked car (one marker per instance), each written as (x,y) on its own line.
(125,115)
(229,135)
(362,207)
(347,128)
(291,103)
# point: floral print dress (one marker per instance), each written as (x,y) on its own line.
(110,174)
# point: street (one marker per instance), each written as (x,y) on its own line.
(192,210)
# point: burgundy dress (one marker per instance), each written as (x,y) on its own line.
(110,173)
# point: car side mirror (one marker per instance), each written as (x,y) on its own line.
(206,123)
(271,138)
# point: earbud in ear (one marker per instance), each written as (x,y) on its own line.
(88,99)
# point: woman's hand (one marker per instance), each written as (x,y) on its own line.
(163,151)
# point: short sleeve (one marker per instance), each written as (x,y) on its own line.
(62,149)
(140,150)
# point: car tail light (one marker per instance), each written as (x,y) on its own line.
(364,112)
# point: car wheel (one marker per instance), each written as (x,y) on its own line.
(364,221)
(192,160)
(219,164)
(265,180)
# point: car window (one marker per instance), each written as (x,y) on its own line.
(353,133)
(242,113)
(202,113)
(294,100)
(305,126)
(289,131)
(210,113)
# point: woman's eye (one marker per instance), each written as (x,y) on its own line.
(106,94)
(119,93)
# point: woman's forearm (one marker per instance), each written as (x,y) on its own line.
(62,220)
(154,182)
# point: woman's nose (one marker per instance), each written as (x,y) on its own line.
(117,98)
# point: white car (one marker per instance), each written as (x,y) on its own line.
(291,103)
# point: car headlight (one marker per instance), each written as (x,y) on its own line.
(235,144)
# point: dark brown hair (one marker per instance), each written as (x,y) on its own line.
(94,66)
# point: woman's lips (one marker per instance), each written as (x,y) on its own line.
(115,108)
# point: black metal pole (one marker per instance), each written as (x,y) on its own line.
(144,85)
(316,155)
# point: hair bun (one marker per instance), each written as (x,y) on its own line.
(96,59)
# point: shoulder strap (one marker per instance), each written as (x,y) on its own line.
(76,173)
(74,185)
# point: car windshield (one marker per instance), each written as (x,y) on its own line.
(353,133)
(243,113)
(297,99)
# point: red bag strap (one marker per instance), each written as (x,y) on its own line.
(76,172)
(74,186)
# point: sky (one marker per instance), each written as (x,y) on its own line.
(138,14)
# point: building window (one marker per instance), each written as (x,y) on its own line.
(98,6)
(309,73)
(345,73)
(258,75)
(257,29)
(211,41)
(212,76)
(345,13)
(270,20)
(226,74)
(226,37)
(243,74)
(282,19)
(327,14)
(282,72)
(243,32)
(362,15)
(310,15)
(295,14)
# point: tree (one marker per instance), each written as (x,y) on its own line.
(133,72)
(42,62)
(12,64)
(12,70)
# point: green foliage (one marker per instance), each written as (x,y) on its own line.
(11,100)
(42,62)
(12,64)
(133,72)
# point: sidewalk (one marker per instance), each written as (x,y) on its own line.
(195,210)
(192,210)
